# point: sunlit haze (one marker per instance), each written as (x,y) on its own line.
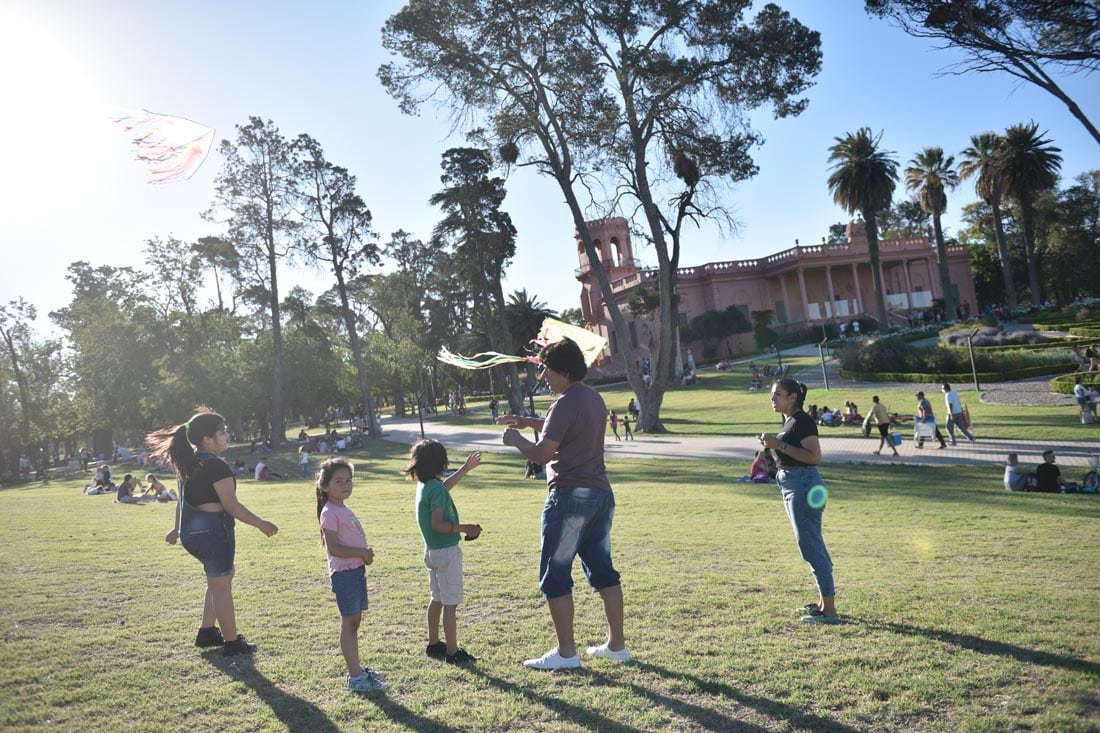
(72,191)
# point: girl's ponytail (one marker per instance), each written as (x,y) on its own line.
(177,445)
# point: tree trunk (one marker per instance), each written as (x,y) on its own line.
(949,303)
(20,381)
(278,425)
(374,429)
(876,271)
(514,391)
(1002,252)
(1028,215)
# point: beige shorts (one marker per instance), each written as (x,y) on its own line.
(445,574)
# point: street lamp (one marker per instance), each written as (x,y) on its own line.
(970,348)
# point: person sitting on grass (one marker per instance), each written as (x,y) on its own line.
(125,494)
(1015,480)
(263,473)
(157,491)
(763,467)
(1048,477)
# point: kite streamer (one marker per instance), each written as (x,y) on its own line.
(172,148)
(476,361)
(551,331)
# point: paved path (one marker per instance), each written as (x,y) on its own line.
(740,449)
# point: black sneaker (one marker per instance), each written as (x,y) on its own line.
(240,645)
(436,650)
(208,636)
(460,657)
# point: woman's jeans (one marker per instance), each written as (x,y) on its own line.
(210,538)
(796,483)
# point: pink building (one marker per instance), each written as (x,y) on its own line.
(805,285)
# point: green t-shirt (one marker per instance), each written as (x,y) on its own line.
(429,497)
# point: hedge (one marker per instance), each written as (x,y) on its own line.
(1008,376)
(1064,384)
(1063,344)
(1088,331)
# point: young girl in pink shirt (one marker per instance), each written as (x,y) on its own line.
(348,555)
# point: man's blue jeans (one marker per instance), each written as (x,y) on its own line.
(576,522)
(795,484)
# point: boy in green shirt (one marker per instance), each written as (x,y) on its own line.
(437,516)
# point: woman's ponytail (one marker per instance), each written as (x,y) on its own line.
(798,389)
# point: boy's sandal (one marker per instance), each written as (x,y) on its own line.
(817,617)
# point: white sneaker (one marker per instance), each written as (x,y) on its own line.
(604,652)
(553,660)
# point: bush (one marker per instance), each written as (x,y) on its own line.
(1064,384)
(895,356)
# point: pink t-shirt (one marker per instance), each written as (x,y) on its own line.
(349,533)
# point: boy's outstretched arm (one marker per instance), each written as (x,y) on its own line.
(472,461)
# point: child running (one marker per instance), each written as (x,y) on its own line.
(348,556)
(437,516)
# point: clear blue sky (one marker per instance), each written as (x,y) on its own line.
(70,190)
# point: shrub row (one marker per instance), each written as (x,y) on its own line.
(1060,344)
(937,377)
(1064,384)
(895,356)
(1087,332)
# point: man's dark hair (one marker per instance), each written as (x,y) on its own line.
(565,358)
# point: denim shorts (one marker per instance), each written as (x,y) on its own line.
(576,522)
(350,587)
(209,536)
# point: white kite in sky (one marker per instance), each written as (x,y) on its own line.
(552,331)
(172,148)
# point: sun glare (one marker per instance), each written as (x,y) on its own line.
(55,130)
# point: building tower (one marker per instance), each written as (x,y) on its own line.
(611,239)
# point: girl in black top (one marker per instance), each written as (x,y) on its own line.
(798,453)
(205,516)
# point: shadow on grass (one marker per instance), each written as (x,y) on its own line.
(792,716)
(700,716)
(294,712)
(984,646)
(573,713)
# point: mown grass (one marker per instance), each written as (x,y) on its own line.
(721,404)
(965,609)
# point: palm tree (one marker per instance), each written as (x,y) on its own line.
(930,174)
(982,159)
(863,180)
(1029,165)
(525,314)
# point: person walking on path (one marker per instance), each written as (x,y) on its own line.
(881,415)
(925,415)
(580,506)
(798,453)
(627,434)
(955,417)
(614,420)
(205,515)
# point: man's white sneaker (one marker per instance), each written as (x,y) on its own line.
(553,660)
(604,652)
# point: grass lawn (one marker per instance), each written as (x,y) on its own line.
(721,404)
(965,609)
